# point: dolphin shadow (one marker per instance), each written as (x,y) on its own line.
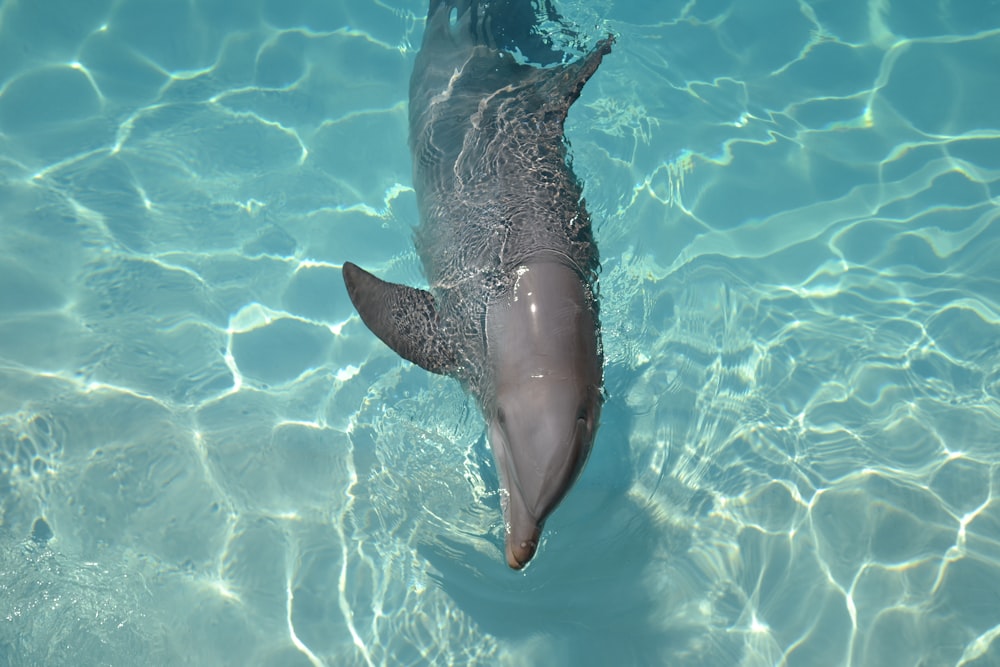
(597,593)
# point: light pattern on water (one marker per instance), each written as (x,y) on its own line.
(205,458)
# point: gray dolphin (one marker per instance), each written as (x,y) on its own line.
(507,248)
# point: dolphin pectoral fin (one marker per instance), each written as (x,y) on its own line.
(404,318)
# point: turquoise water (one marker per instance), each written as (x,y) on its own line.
(206,459)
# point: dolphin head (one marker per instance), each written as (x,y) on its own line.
(544,400)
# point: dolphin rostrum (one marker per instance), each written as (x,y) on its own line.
(507,248)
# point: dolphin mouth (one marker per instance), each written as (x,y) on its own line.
(525,514)
(524,530)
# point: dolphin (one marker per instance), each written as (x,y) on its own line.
(507,249)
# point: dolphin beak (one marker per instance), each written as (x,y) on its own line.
(523,528)
(529,496)
(520,551)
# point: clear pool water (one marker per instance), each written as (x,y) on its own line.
(206,459)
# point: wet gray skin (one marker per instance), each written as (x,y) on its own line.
(546,400)
(507,248)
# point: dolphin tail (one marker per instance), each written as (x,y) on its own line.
(503,26)
(508,25)
(404,318)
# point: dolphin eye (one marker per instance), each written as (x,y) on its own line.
(583,413)
(501,417)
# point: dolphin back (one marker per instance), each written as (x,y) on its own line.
(490,161)
(492,176)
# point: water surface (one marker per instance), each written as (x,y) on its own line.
(205,457)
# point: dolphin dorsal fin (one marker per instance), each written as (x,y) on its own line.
(404,318)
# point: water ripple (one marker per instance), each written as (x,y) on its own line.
(205,457)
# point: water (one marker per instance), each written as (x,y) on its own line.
(205,458)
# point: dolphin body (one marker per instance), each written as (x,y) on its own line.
(507,248)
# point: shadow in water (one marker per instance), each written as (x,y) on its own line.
(591,595)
